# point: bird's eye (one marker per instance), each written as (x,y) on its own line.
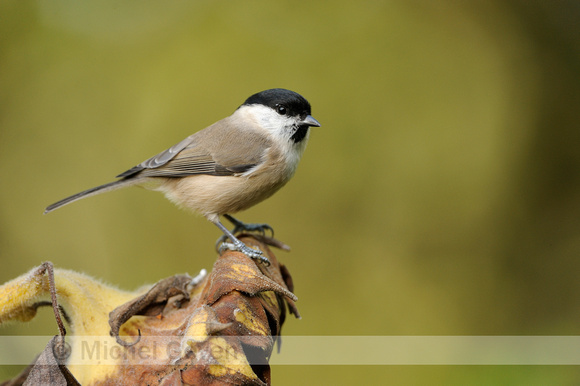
(281,109)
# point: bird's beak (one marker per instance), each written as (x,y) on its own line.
(310,121)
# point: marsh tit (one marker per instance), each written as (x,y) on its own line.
(229,166)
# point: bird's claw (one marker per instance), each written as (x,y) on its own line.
(250,252)
(222,239)
(261,228)
(240,226)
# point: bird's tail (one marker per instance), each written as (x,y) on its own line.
(91,192)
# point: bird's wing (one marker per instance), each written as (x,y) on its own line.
(159,159)
(220,150)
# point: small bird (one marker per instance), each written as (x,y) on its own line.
(229,166)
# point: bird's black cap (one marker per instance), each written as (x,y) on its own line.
(295,103)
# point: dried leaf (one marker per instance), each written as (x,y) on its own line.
(48,369)
(225,334)
(173,287)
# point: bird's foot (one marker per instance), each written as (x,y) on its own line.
(250,252)
(240,226)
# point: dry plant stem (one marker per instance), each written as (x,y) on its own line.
(60,350)
(47,266)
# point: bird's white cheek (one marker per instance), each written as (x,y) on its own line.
(293,154)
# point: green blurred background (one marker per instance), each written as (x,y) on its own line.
(441,196)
